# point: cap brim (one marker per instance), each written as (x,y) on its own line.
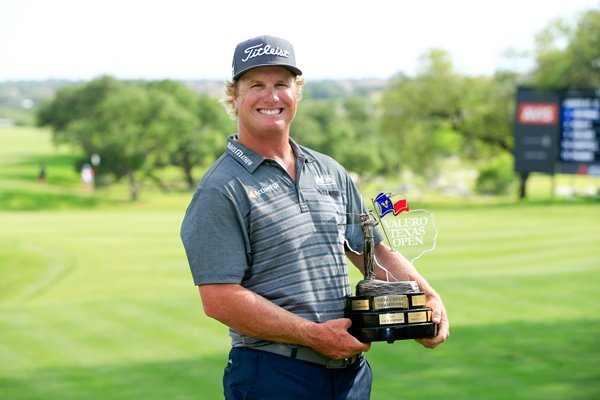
(293,69)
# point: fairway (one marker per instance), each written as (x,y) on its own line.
(97,301)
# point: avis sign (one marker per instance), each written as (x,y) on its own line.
(537,114)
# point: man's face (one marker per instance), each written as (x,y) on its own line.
(265,100)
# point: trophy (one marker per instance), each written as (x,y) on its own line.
(392,310)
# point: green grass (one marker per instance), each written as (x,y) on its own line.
(97,302)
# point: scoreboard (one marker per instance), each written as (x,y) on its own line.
(558,131)
(580,137)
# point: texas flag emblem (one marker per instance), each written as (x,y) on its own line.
(386,205)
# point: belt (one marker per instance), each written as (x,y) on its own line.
(307,354)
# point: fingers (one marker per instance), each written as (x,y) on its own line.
(443,332)
(438,310)
(346,322)
(436,317)
(364,347)
(337,343)
(440,318)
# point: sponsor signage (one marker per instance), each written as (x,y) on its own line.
(557,131)
(538,114)
(537,130)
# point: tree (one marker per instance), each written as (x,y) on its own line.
(345,130)
(128,126)
(569,56)
(199,131)
(486,117)
(72,103)
(439,114)
(215,126)
(419,113)
(369,153)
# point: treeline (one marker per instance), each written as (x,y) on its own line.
(19,100)
(137,128)
(411,124)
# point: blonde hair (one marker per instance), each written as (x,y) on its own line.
(231,89)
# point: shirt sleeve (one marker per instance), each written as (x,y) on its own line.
(214,236)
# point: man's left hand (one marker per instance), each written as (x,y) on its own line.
(440,318)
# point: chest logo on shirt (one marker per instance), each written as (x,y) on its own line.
(253,194)
(324,180)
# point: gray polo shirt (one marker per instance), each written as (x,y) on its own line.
(250,223)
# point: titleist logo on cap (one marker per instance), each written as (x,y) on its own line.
(262,49)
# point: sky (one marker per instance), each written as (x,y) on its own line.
(333,39)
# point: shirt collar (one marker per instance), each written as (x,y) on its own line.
(300,152)
(250,160)
(246,157)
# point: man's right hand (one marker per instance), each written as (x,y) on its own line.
(332,339)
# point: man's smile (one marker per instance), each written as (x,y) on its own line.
(276,111)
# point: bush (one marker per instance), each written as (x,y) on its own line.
(496,177)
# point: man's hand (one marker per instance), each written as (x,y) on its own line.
(332,339)
(440,318)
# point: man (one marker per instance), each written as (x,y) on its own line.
(266,235)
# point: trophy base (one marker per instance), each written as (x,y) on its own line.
(394,332)
(368,319)
(386,302)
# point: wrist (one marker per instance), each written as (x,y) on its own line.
(308,333)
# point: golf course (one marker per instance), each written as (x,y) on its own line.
(97,300)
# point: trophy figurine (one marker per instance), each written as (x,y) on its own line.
(382,310)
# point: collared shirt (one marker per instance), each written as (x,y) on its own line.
(250,223)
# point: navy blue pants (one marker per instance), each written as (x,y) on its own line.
(259,375)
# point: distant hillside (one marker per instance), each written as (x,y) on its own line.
(20,99)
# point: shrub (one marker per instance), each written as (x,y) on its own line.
(496,177)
